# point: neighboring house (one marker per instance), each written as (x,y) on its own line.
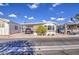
(8,27)
(51,26)
(70,27)
(73,27)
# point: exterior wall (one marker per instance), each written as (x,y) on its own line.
(14,28)
(52,25)
(55,27)
(51,28)
(35,26)
(7,27)
(4,30)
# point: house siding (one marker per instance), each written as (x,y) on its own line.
(4,30)
(13,29)
(8,27)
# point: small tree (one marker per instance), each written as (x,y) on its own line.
(41,30)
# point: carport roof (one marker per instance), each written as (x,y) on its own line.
(73,22)
(36,23)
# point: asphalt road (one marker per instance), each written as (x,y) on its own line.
(56,43)
(59,52)
(52,42)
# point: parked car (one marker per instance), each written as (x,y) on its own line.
(73,32)
(61,30)
(28,31)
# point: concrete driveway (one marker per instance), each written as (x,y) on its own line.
(23,35)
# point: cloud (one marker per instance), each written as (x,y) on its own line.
(25,16)
(51,8)
(60,19)
(56,4)
(4,4)
(12,15)
(44,20)
(1,4)
(31,18)
(1,13)
(62,12)
(52,18)
(33,6)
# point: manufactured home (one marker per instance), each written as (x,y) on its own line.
(69,28)
(51,26)
(73,27)
(8,27)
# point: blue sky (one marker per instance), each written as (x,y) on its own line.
(39,12)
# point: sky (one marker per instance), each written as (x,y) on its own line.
(59,13)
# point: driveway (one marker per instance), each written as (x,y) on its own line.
(31,36)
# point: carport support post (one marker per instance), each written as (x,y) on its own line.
(65,29)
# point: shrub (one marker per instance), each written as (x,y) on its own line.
(41,30)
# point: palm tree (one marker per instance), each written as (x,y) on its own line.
(77,16)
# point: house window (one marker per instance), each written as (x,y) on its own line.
(16,27)
(52,28)
(1,25)
(49,27)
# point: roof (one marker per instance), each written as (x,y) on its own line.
(6,20)
(73,22)
(32,23)
(36,23)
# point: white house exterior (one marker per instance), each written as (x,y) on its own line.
(8,27)
(52,27)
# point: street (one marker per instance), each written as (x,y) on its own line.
(56,47)
(51,46)
(59,52)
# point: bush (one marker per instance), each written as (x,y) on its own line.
(41,30)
